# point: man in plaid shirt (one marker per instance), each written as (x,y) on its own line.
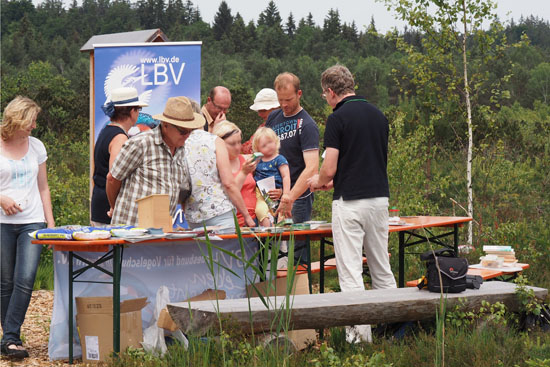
(152,162)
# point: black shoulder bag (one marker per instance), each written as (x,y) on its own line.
(452,269)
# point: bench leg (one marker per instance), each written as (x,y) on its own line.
(401,259)
(71,307)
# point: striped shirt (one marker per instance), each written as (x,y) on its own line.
(146,166)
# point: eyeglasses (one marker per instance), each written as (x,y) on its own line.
(218,107)
(324,96)
(182,130)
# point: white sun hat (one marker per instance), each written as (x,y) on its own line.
(266,99)
(122,97)
(126,96)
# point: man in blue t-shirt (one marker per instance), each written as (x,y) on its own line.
(355,164)
(299,137)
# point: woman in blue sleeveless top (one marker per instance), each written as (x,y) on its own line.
(123,110)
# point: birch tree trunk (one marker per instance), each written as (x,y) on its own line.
(470,130)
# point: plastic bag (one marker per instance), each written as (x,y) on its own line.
(153,336)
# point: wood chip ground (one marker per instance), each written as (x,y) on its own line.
(35,333)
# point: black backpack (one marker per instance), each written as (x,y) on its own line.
(453,271)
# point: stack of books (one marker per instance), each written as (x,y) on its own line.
(507,253)
(319,224)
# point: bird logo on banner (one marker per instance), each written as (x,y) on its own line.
(125,76)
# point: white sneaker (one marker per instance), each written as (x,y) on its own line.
(358,334)
(282,263)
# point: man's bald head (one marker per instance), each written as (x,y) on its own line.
(219,101)
(219,91)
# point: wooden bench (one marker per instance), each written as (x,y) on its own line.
(330,264)
(485,273)
(324,310)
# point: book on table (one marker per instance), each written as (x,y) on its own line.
(507,253)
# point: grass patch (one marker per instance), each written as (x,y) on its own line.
(44,277)
(489,346)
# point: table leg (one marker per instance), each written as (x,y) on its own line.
(322,276)
(116,299)
(308,264)
(71,308)
(262,248)
(401,259)
(455,235)
(322,266)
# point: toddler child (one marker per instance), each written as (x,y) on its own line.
(272,163)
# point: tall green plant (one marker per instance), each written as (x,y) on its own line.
(263,264)
(451,67)
(417,189)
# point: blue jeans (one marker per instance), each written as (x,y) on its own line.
(301,212)
(18,260)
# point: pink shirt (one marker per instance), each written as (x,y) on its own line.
(248,192)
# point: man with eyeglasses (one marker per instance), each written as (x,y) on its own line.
(217,105)
(355,164)
(152,162)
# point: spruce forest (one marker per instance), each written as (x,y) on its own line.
(413,75)
(493,131)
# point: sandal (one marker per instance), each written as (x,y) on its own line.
(12,350)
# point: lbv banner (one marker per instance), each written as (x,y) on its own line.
(157,70)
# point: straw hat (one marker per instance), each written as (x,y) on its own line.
(266,99)
(179,111)
(126,96)
(122,97)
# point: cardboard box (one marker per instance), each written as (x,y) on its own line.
(166,322)
(94,321)
(300,338)
(154,212)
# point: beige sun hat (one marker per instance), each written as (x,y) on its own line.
(179,111)
(266,99)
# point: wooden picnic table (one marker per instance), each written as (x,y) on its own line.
(416,230)
(110,263)
(112,250)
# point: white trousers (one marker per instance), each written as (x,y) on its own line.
(361,226)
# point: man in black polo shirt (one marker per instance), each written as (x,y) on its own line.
(356,143)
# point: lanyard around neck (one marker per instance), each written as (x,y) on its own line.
(356,100)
